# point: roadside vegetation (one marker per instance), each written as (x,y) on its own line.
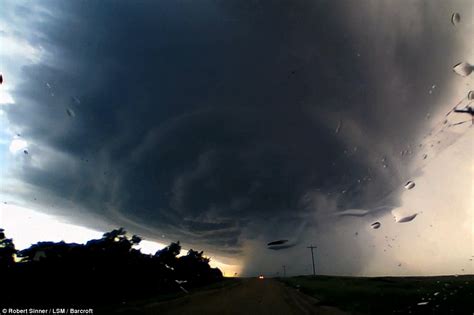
(391,295)
(101,272)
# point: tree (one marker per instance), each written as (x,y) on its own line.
(168,255)
(101,270)
(7,251)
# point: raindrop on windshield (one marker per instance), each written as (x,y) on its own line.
(375,225)
(470,95)
(463,69)
(76,100)
(409,185)
(407,218)
(455,18)
(339,125)
(353,212)
(70,112)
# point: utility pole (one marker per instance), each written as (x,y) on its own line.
(312,257)
(284,271)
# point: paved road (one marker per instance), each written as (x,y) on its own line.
(250,296)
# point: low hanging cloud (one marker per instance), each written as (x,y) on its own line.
(228,124)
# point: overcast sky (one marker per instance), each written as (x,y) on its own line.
(230,124)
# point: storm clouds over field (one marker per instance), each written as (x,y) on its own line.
(226,124)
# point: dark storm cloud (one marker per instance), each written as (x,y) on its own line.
(215,122)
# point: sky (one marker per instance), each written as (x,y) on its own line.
(229,124)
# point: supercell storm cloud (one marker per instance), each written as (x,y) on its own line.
(221,123)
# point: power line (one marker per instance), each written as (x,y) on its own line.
(312,257)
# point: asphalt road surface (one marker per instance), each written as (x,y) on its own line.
(250,296)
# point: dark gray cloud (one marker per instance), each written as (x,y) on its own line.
(215,122)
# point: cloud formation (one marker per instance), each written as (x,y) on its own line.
(227,123)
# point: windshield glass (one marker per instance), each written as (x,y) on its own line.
(328,137)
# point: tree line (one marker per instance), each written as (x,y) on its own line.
(105,270)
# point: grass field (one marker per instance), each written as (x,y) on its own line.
(391,295)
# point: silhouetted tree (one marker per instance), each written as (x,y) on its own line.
(99,271)
(194,267)
(7,251)
(168,255)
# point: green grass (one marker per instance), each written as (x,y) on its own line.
(391,295)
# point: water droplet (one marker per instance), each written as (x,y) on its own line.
(463,69)
(409,185)
(353,212)
(422,303)
(436,293)
(375,225)
(385,166)
(48,85)
(70,112)
(470,95)
(455,18)
(339,125)
(76,100)
(407,218)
